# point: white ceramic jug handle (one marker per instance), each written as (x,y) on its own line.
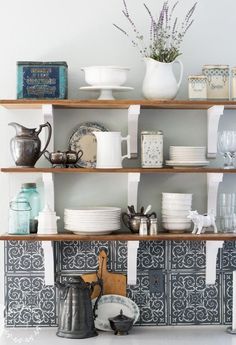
(181,72)
(127,139)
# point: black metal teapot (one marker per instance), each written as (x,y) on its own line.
(76,315)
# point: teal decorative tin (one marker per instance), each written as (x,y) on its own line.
(42,80)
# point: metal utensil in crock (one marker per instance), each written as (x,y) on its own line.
(121,324)
(76,316)
(132,221)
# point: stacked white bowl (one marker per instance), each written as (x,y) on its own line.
(92,220)
(175,209)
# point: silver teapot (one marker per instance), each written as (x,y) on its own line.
(63,158)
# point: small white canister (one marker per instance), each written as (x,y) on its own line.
(233,84)
(152,149)
(217,81)
(47,222)
(197,87)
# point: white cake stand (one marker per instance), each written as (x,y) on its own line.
(106,92)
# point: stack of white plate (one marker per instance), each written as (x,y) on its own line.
(92,220)
(187,156)
(175,209)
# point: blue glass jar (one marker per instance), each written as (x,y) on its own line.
(30,193)
(19,217)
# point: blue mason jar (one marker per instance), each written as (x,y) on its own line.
(30,193)
(19,217)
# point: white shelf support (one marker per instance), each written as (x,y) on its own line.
(133,116)
(212,247)
(213,114)
(132,246)
(213,181)
(48,181)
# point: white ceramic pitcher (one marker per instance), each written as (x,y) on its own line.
(160,82)
(109,153)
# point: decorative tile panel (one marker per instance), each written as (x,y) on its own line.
(187,255)
(151,255)
(82,256)
(227,297)
(152,306)
(192,302)
(23,256)
(30,303)
(229,255)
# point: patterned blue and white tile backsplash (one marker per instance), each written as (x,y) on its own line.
(181,296)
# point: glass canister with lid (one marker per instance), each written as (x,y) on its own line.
(217,81)
(30,193)
(19,217)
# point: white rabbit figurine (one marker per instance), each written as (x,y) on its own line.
(202,221)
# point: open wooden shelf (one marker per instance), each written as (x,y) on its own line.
(115,104)
(120,237)
(118,171)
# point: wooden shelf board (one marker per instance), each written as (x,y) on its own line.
(117,171)
(121,237)
(115,104)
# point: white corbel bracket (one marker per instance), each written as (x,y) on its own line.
(133,116)
(49,272)
(212,247)
(214,113)
(132,246)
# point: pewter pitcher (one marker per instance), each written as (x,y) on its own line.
(26,145)
(76,316)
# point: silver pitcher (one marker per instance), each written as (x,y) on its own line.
(26,145)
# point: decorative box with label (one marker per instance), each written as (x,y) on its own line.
(42,80)
(197,87)
(152,149)
(217,81)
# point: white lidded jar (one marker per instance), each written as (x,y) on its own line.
(197,87)
(233,83)
(47,222)
(217,81)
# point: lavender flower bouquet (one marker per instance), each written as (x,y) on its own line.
(166,32)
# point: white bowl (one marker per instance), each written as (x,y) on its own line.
(175,219)
(178,196)
(176,207)
(105,75)
(174,213)
(176,226)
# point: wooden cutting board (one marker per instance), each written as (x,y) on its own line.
(113,283)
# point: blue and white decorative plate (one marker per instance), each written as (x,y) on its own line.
(83,139)
(110,306)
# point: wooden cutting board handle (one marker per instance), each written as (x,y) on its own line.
(102,264)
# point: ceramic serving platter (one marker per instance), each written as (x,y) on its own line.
(187,163)
(83,139)
(110,306)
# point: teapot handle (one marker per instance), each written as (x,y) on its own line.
(125,218)
(47,124)
(100,283)
(152,214)
(181,72)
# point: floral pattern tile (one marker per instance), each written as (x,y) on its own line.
(192,302)
(82,256)
(151,255)
(229,255)
(227,298)
(29,302)
(23,256)
(152,306)
(188,255)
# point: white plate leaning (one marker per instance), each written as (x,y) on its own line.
(110,306)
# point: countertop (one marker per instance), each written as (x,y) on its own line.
(178,335)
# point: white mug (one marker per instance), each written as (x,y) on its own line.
(109,153)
